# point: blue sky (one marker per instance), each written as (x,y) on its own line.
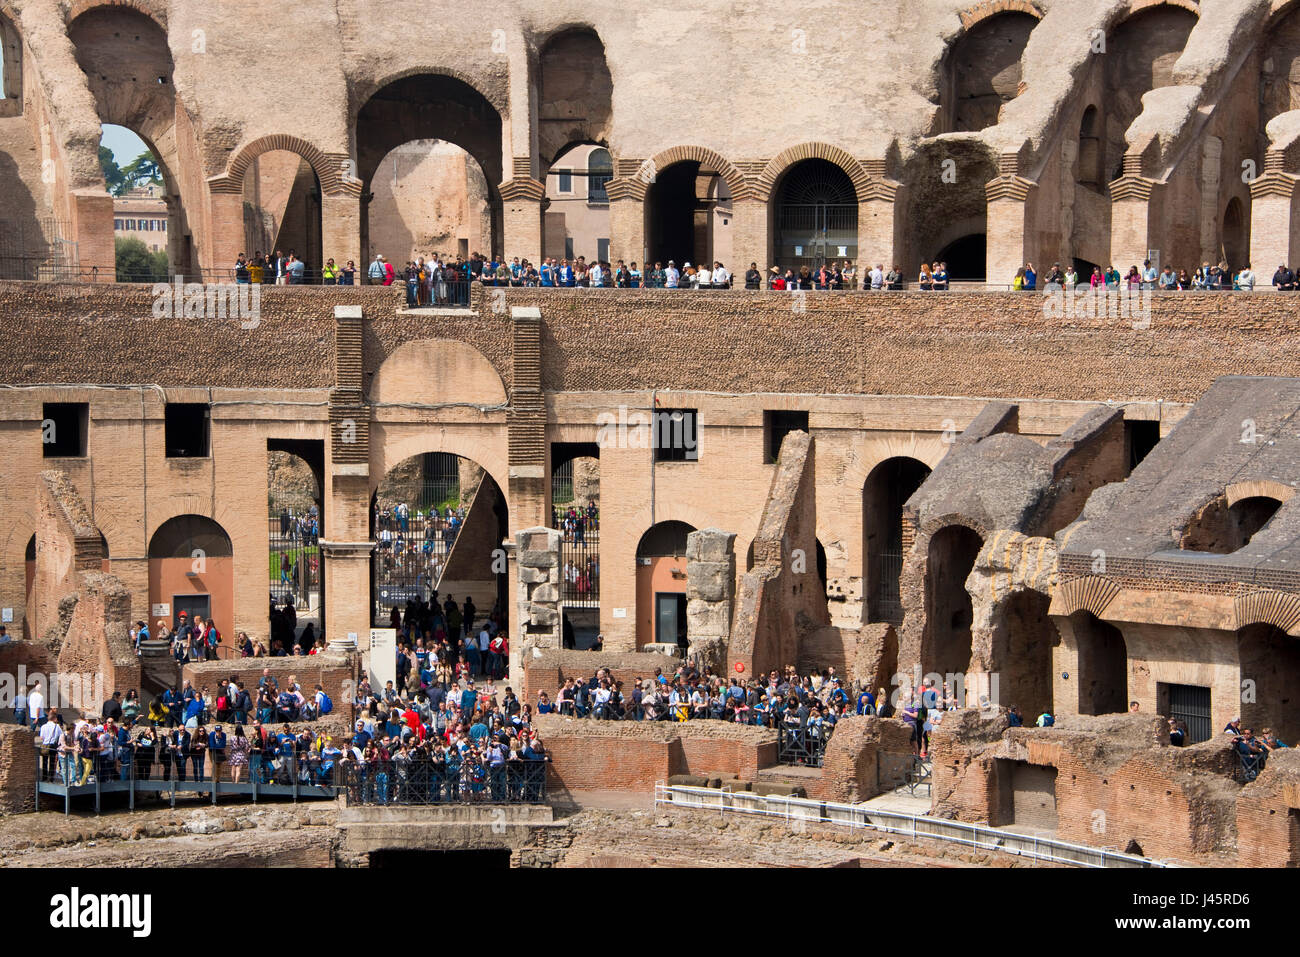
(125,145)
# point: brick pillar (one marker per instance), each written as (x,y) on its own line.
(751,239)
(1133,202)
(1010,209)
(347,489)
(227,228)
(92,212)
(526,422)
(710,592)
(1272,217)
(627,212)
(522,220)
(340,215)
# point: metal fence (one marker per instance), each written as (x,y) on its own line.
(887,599)
(805,747)
(409,558)
(424,781)
(579,556)
(803,811)
(166,763)
(295,571)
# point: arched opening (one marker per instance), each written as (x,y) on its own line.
(295,521)
(821,565)
(688,214)
(1269,667)
(946,641)
(419,109)
(1023,640)
(1101,670)
(1090,172)
(1140,56)
(947,206)
(438,521)
(1222,529)
(141,222)
(191,569)
(11,68)
(127,62)
(885,539)
(982,71)
(815,214)
(965,259)
(429,197)
(577,217)
(661,584)
(1234,245)
(282,214)
(574,92)
(575,508)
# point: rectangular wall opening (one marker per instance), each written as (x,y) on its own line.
(64,429)
(777,424)
(186,427)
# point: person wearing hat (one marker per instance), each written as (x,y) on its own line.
(672,276)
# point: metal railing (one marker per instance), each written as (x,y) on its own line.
(424,781)
(579,556)
(295,570)
(168,764)
(1249,765)
(805,747)
(804,811)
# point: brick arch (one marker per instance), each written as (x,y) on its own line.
(1137,6)
(992,8)
(155,11)
(734,179)
(1090,593)
(1267,607)
(329,167)
(362,96)
(1259,488)
(767,179)
(489,454)
(937,524)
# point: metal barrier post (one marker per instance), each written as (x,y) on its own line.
(99,773)
(37,797)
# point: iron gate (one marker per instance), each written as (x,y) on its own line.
(1191,705)
(38,250)
(295,559)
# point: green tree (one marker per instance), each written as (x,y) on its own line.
(136,264)
(142,171)
(114,178)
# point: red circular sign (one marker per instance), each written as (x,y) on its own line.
(740,666)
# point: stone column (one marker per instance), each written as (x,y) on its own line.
(880,228)
(1134,197)
(522,219)
(710,591)
(227,218)
(1272,217)
(537,556)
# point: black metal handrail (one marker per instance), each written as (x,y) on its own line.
(421,781)
(804,746)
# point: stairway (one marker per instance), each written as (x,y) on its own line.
(158,670)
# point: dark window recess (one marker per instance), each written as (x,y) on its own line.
(1141,436)
(676,435)
(777,424)
(1190,704)
(187,430)
(63,429)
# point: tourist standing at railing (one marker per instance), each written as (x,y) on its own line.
(242,275)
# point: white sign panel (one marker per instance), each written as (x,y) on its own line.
(7,615)
(620,612)
(383,658)
(162,610)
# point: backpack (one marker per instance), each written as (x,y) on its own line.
(326,705)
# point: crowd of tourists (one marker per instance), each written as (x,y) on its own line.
(438,644)
(1212,278)
(1252,750)
(808,706)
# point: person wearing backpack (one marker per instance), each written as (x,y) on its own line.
(323,703)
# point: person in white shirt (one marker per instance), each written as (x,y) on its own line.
(704,278)
(671,275)
(596,275)
(20,706)
(878,277)
(721,278)
(36,705)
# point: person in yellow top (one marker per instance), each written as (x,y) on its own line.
(330,273)
(256,268)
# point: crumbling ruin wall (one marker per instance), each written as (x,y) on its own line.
(867,656)
(476,552)
(67,543)
(546,669)
(1118,782)
(864,758)
(96,657)
(782,600)
(1267,813)
(710,591)
(635,755)
(334,672)
(539,593)
(17,769)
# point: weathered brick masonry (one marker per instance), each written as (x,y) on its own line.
(901,344)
